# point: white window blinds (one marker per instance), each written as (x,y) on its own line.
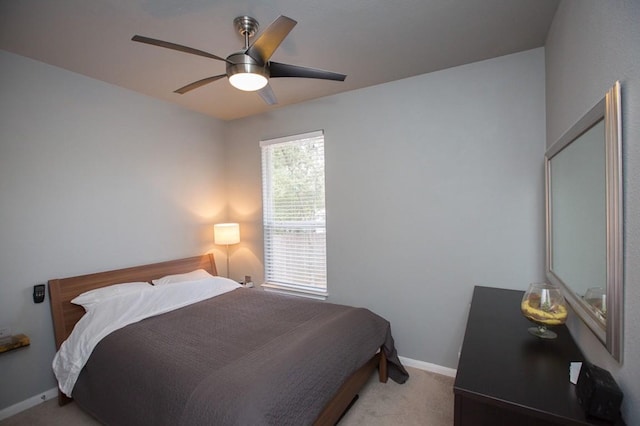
(293,198)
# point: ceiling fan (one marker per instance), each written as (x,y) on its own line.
(250,68)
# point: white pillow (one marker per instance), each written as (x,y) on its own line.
(198,274)
(92,297)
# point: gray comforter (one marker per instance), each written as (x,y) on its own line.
(243,358)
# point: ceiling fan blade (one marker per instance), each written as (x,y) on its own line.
(267,43)
(198,83)
(173,46)
(267,95)
(286,70)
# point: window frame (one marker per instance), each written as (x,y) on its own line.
(298,289)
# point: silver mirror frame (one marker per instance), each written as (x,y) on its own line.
(611,333)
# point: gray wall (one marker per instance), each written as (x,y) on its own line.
(92,177)
(591,45)
(434,185)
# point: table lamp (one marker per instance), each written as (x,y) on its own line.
(226,234)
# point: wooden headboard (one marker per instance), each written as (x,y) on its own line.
(62,291)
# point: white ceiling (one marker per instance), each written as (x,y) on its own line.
(372,41)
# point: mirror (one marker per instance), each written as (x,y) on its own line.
(584,219)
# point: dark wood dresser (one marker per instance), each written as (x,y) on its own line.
(506,376)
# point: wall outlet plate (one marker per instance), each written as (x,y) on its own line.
(38,293)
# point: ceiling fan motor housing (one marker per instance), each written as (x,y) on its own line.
(241,63)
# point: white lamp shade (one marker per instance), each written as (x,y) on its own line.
(226,233)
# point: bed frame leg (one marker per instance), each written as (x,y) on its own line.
(382,368)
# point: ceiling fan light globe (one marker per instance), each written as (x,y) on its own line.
(247,81)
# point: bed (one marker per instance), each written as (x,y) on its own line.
(244,357)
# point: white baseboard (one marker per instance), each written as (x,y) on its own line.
(28,403)
(427,366)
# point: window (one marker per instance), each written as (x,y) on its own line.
(294,214)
